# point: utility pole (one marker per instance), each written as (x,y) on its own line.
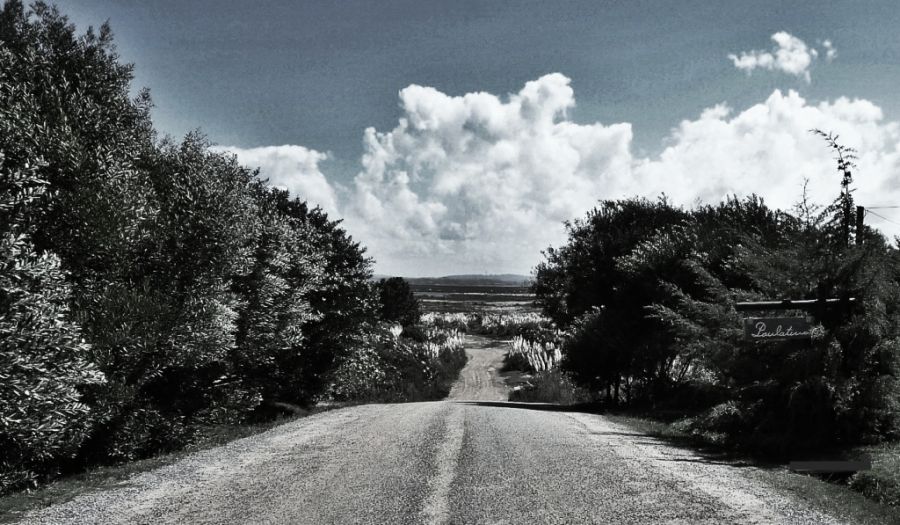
(846,197)
(860,215)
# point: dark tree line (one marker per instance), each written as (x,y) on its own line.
(148,286)
(647,292)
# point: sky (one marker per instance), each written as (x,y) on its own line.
(457,137)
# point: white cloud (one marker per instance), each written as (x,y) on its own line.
(480,183)
(789,55)
(476,182)
(767,149)
(294,168)
(830,51)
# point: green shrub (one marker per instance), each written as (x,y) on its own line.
(200,293)
(396,301)
(646,295)
(44,362)
(388,369)
(551,386)
(516,362)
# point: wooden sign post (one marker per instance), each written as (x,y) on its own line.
(786,328)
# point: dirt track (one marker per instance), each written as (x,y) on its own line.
(480,380)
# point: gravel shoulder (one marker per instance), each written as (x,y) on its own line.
(354,465)
(522,463)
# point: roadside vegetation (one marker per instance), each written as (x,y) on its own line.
(500,324)
(882,483)
(533,355)
(152,289)
(534,352)
(645,293)
(552,386)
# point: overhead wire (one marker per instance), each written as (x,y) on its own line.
(881,217)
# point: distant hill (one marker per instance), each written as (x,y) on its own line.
(503,279)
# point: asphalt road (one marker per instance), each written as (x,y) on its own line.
(456,461)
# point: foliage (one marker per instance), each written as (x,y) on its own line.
(65,99)
(387,368)
(164,334)
(345,305)
(572,278)
(43,360)
(882,482)
(551,386)
(152,287)
(530,355)
(650,322)
(396,302)
(275,304)
(500,324)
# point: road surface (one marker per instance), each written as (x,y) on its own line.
(458,461)
(481,379)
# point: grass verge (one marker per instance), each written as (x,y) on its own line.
(882,482)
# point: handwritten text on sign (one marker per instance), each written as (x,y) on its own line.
(776,328)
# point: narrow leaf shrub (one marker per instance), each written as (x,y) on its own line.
(44,362)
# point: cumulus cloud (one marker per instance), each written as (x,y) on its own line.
(294,168)
(767,149)
(474,182)
(789,55)
(482,183)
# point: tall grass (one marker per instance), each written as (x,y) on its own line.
(499,324)
(539,356)
(438,340)
(386,366)
(551,386)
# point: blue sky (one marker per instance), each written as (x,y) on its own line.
(316,75)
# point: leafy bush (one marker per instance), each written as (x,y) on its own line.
(193,294)
(386,368)
(44,362)
(650,321)
(551,386)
